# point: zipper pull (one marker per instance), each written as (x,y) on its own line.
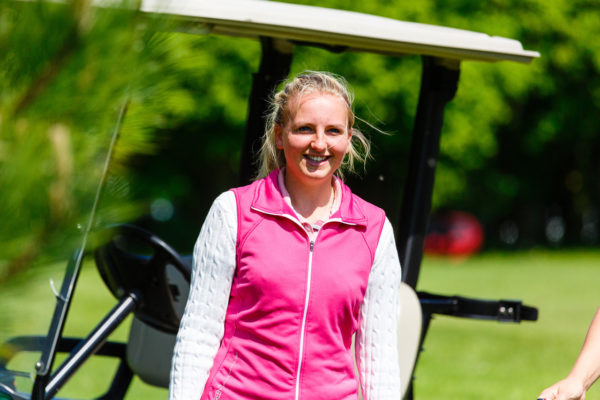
(312,244)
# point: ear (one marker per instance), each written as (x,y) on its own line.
(349,144)
(278,136)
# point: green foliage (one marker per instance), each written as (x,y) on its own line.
(515,135)
(512,137)
(519,141)
(66,74)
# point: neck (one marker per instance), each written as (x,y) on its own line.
(313,202)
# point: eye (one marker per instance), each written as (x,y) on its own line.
(335,131)
(304,129)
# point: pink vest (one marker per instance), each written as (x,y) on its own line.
(294,305)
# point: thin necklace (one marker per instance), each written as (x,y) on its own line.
(330,212)
(332,201)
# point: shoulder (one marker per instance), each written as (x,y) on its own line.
(251,189)
(240,190)
(368,207)
(359,206)
(222,214)
(225,201)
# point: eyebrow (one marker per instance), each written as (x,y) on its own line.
(304,123)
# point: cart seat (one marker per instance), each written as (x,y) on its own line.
(409,334)
(410,322)
(149,350)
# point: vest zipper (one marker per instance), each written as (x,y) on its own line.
(303,326)
(307,297)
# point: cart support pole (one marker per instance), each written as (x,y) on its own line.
(63,302)
(274,68)
(90,344)
(439,82)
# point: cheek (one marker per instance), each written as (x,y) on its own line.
(343,146)
(296,143)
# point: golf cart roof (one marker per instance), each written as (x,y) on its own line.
(336,28)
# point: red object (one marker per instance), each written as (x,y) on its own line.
(454,233)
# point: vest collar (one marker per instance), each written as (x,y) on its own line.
(268,199)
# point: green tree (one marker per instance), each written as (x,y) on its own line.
(67,72)
(519,141)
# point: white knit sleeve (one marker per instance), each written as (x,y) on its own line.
(377,336)
(202,324)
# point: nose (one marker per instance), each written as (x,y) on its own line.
(319,142)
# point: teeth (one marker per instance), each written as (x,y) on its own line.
(316,158)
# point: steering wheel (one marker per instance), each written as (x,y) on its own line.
(136,262)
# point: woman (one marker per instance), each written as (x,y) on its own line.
(288,268)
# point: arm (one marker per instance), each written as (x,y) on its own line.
(202,324)
(377,336)
(586,369)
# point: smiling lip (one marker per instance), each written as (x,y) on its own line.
(315,160)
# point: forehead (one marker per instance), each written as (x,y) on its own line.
(316,100)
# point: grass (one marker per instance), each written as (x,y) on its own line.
(474,359)
(26,307)
(462,359)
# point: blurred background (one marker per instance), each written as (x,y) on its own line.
(518,150)
(518,167)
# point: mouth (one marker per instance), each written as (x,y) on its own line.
(315,160)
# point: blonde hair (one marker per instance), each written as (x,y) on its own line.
(270,157)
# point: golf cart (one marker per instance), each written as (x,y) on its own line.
(152,284)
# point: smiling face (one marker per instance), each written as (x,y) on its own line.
(315,137)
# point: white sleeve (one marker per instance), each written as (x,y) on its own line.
(376,344)
(202,324)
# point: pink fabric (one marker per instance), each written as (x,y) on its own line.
(260,351)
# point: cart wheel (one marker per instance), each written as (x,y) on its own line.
(136,262)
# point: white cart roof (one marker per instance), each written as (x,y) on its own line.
(325,26)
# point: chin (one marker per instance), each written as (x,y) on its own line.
(318,174)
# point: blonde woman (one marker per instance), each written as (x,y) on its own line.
(290,267)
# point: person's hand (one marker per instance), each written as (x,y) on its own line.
(567,389)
